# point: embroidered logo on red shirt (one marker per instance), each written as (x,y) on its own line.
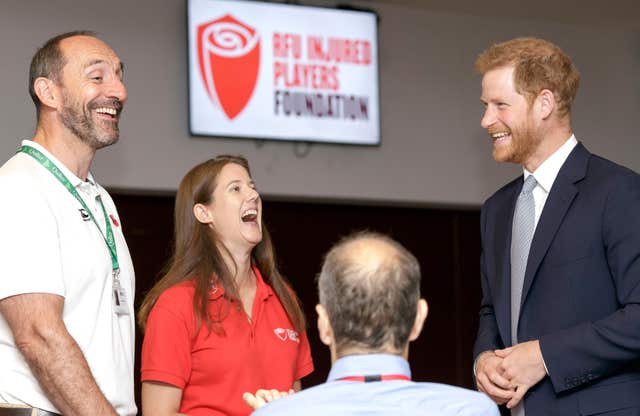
(285,334)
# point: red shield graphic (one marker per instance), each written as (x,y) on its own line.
(229,59)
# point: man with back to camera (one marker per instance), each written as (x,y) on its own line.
(369,311)
(560,316)
(67,282)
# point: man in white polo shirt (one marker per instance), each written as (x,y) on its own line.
(67,282)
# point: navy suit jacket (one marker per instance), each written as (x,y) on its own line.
(581,294)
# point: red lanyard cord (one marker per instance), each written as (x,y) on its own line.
(375,377)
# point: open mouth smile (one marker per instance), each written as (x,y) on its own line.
(250,215)
(500,137)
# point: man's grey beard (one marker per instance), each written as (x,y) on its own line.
(83,127)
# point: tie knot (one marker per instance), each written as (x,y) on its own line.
(529,184)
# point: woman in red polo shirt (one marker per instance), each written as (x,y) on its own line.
(222,321)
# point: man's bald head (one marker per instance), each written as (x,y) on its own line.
(370,285)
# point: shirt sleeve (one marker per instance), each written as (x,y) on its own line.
(30,243)
(166,349)
(304,365)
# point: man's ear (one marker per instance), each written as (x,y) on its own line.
(324,326)
(202,213)
(422,309)
(546,103)
(47,92)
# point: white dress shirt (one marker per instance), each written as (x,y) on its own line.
(546,174)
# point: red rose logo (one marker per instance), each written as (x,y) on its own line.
(229,59)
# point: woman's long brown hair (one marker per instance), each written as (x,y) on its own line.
(197,253)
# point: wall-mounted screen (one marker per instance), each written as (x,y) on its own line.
(283,72)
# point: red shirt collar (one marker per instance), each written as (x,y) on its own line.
(263,290)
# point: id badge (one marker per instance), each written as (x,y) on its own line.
(120,303)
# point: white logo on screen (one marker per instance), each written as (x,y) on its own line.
(285,334)
(231,39)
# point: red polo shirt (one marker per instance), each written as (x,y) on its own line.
(214,370)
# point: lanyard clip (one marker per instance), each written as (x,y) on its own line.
(116,274)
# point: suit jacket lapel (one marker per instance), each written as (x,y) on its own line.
(558,202)
(502,305)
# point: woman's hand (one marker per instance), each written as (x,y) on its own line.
(263,396)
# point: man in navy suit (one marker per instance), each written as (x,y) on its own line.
(564,338)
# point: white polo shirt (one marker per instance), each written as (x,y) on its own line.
(47,245)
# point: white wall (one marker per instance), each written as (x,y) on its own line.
(433,150)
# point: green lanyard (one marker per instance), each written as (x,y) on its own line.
(51,167)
